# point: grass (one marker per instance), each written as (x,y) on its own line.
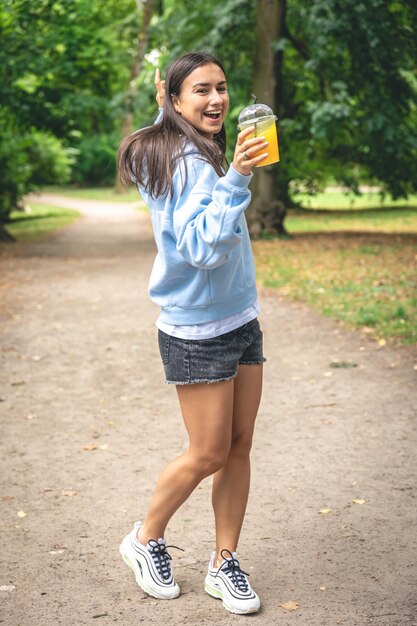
(357,266)
(366,280)
(106,194)
(340,200)
(390,220)
(39,222)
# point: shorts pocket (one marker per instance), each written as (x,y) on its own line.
(250,331)
(163,341)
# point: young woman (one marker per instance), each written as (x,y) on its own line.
(210,341)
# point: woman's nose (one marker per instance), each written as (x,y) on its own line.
(215,97)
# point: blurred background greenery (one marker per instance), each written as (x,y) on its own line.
(340,74)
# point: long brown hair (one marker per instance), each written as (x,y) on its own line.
(150,155)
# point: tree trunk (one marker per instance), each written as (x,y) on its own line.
(5,236)
(269,196)
(146,8)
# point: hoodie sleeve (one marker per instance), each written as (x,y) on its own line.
(207,214)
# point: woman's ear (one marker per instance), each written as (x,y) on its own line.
(176,104)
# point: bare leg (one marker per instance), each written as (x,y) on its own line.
(207,411)
(231,482)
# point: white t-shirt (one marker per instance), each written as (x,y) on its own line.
(208,330)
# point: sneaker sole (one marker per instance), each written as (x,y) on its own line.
(139,580)
(216,592)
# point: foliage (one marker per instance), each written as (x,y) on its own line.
(61,63)
(62,66)
(349,83)
(27,160)
(14,166)
(49,161)
(346,106)
(96,163)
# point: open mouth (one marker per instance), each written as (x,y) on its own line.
(212,115)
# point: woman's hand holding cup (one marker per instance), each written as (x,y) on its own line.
(244,158)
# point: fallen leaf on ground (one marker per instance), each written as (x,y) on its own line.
(6,498)
(289,606)
(343,364)
(358,501)
(21,514)
(325,511)
(90,447)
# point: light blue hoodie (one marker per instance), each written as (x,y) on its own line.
(204,269)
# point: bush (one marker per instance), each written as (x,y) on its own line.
(96,161)
(14,172)
(28,160)
(51,162)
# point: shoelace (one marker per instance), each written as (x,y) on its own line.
(231,567)
(161,557)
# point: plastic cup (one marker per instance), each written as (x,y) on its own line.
(263,119)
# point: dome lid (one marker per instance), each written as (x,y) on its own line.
(254,113)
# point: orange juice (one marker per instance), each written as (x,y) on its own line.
(267,128)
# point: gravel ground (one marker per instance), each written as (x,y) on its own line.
(87,424)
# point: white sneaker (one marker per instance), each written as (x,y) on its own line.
(151,565)
(230,584)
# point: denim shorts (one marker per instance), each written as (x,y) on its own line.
(188,361)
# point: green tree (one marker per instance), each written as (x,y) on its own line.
(345,88)
(27,159)
(62,68)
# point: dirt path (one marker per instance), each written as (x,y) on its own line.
(86,425)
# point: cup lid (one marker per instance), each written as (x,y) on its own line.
(254,112)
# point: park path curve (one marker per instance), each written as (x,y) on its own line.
(86,425)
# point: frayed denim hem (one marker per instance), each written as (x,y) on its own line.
(200,380)
(261,362)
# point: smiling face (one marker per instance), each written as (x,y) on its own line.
(203,100)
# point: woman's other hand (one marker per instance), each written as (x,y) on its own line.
(160,89)
(244,159)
